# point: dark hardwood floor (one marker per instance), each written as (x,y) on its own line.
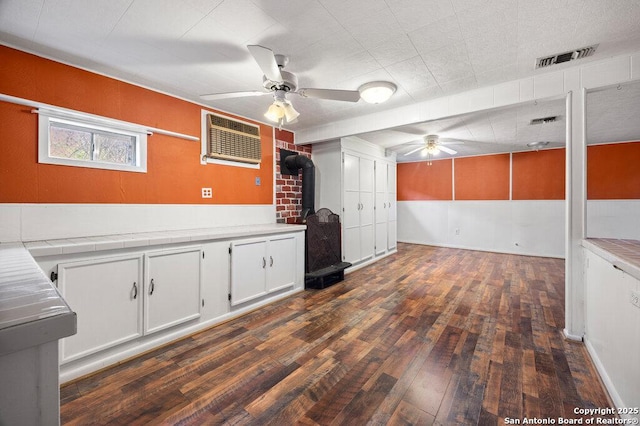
(426,336)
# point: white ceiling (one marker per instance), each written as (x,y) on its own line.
(429,48)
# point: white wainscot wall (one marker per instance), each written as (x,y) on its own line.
(33,222)
(535,228)
(613,219)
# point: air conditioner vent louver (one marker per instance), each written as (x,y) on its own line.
(572,55)
(544,120)
(233,140)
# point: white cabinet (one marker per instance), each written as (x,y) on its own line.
(358,208)
(114,304)
(357,180)
(385,211)
(613,327)
(106,295)
(172,288)
(262,266)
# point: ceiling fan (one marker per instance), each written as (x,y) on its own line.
(433,144)
(279,82)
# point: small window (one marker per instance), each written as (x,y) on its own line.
(76,143)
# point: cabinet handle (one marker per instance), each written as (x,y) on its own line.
(135,290)
(270,260)
(264,263)
(152,287)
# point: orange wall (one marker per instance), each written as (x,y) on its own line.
(482,178)
(419,181)
(538,175)
(613,171)
(174,173)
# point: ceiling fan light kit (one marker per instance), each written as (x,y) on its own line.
(537,145)
(281,109)
(376,92)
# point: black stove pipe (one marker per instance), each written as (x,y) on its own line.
(294,162)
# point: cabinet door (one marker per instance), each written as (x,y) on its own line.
(281,263)
(381,207)
(352,206)
(248,270)
(367,177)
(367,226)
(351,244)
(172,288)
(391,178)
(392,231)
(351,172)
(106,294)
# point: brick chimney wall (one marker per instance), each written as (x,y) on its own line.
(288,188)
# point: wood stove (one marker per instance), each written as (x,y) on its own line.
(323,252)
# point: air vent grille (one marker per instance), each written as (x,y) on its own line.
(233,140)
(544,120)
(572,55)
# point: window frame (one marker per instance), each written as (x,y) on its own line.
(91,124)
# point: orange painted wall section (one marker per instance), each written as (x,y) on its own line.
(419,181)
(482,178)
(538,175)
(174,173)
(613,171)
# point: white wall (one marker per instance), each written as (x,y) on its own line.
(522,227)
(537,227)
(32,222)
(613,219)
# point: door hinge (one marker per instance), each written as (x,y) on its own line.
(230,250)
(203,255)
(53,276)
(203,303)
(229,297)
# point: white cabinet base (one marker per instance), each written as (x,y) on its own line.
(207,261)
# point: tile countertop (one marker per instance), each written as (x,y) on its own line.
(144,239)
(32,312)
(622,254)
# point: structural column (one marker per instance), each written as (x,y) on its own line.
(575,223)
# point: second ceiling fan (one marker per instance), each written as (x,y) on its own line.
(432,145)
(279,82)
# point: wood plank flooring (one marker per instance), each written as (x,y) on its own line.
(426,336)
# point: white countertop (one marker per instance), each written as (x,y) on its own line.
(144,239)
(623,254)
(32,311)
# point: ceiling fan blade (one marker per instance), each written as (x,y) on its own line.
(229,95)
(414,150)
(266,61)
(336,95)
(447,150)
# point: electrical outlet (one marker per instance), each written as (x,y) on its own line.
(635,298)
(207,193)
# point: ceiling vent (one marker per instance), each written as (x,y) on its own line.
(544,120)
(233,140)
(559,58)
